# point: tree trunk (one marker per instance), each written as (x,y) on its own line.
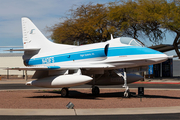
(175,44)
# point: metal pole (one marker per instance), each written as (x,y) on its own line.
(7,73)
(161,70)
(23,74)
(26,75)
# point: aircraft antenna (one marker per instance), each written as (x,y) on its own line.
(112,37)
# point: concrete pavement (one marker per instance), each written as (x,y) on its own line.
(111,111)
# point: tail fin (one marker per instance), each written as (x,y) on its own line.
(34,42)
(34,39)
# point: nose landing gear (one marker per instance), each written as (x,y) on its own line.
(127,91)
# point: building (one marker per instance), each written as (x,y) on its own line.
(11,59)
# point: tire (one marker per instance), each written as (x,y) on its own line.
(95,90)
(64,92)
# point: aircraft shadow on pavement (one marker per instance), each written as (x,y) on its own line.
(160,96)
(80,95)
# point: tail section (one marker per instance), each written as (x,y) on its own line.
(35,43)
(34,39)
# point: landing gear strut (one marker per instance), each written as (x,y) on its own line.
(64,92)
(127,91)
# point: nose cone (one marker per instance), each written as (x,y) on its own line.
(154,56)
(163,57)
(159,57)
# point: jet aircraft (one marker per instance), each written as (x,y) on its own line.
(64,66)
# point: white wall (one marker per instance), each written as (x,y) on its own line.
(12,62)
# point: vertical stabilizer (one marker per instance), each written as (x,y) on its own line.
(32,36)
(34,39)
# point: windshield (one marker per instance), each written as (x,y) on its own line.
(130,41)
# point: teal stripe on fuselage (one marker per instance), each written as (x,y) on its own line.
(93,53)
(130,50)
(80,55)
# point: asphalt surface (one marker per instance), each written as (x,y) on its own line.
(154,86)
(98,117)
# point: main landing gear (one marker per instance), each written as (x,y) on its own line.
(127,91)
(95,89)
(64,92)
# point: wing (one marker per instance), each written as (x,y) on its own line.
(63,67)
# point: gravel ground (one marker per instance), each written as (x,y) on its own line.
(82,98)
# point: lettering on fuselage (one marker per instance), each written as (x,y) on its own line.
(47,60)
(85,55)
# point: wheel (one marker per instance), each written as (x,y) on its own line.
(95,90)
(64,92)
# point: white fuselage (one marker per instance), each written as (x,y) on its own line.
(111,54)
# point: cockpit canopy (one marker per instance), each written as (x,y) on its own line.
(130,41)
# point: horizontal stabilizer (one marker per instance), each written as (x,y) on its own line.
(31,49)
(34,68)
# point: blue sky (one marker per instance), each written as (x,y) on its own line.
(42,12)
